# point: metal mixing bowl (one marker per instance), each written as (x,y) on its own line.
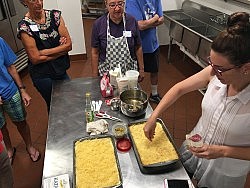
(134,102)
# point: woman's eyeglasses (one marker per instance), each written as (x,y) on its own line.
(120,4)
(220,70)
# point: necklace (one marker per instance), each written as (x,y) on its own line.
(40,19)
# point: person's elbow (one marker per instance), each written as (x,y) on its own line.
(69,46)
(35,59)
(143,25)
(12,69)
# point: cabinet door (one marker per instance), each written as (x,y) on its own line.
(6,31)
(16,12)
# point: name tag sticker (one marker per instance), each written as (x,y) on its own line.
(127,33)
(34,28)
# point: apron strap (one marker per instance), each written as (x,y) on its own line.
(124,23)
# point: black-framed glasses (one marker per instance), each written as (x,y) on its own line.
(113,5)
(220,70)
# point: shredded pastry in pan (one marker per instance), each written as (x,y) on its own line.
(95,164)
(159,150)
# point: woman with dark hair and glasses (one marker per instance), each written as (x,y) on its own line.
(224,159)
(116,41)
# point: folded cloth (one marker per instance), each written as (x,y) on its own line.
(97,127)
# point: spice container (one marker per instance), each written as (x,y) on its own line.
(123,144)
(115,104)
(119,130)
(89,111)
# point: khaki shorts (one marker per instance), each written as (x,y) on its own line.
(14,108)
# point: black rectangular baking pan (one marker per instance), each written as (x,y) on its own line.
(156,168)
(115,151)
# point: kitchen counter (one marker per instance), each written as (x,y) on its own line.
(67,123)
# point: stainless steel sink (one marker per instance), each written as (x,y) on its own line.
(199,29)
(178,15)
(205,31)
(191,40)
(204,49)
(211,32)
(176,29)
(193,28)
(194,23)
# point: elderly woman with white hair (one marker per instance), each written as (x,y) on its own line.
(47,43)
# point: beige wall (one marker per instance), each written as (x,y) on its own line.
(162,29)
(71,12)
(226,7)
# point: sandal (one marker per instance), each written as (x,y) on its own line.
(33,155)
(13,155)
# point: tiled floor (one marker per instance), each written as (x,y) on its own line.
(180,118)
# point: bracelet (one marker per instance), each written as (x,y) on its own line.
(22,87)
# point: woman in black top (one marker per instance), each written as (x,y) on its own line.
(47,43)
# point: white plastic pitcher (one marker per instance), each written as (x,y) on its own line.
(132,76)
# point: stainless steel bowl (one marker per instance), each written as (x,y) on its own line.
(133,102)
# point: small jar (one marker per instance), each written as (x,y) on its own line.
(119,130)
(115,104)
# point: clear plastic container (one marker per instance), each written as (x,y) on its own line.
(122,84)
(119,130)
(132,76)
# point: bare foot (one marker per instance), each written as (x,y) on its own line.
(34,154)
(12,155)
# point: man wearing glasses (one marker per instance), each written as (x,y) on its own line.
(119,44)
(149,15)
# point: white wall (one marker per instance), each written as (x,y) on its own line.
(72,15)
(162,29)
(171,4)
(226,7)
(71,11)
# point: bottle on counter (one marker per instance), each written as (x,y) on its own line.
(89,112)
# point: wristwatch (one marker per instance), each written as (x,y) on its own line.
(22,87)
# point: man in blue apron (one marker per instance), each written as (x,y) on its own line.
(116,42)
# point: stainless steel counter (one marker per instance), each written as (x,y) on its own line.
(67,123)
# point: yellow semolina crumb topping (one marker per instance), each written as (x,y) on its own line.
(95,164)
(159,150)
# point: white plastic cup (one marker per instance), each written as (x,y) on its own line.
(113,75)
(132,76)
(122,84)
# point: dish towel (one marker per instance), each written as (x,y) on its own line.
(97,127)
